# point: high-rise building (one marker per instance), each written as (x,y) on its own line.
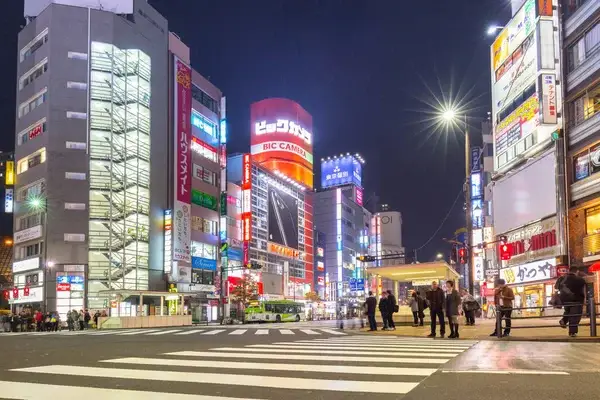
(92,112)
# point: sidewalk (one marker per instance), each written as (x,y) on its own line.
(549,330)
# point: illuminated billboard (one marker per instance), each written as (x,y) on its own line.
(282,139)
(515,32)
(283,218)
(341,171)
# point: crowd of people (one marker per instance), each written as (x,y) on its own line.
(37,321)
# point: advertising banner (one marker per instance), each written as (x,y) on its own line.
(341,171)
(282,139)
(183,161)
(204,263)
(515,32)
(478,273)
(283,218)
(519,124)
(28,234)
(530,272)
(8,200)
(549,115)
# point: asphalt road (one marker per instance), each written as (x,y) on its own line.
(276,365)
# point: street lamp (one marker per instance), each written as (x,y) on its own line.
(439,256)
(39,203)
(492,29)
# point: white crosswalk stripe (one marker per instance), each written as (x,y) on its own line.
(312,367)
(262,332)
(238,332)
(190,332)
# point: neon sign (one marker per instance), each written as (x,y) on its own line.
(283,126)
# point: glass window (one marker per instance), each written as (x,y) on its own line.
(33,74)
(29,221)
(205,175)
(592,220)
(31,160)
(30,191)
(204,250)
(34,45)
(203,98)
(583,49)
(31,132)
(29,105)
(581,165)
(585,106)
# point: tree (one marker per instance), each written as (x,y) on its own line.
(243,292)
(312,296)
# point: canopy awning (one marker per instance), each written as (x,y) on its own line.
(430,271)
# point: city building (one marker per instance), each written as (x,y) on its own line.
(92,112)
(581,52)
(277,204)
(320,266)
(7,176)
(528,188)
(197,217)
(341,217)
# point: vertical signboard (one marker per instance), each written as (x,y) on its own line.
(183,178)
(10,173)
(246,205)
(168,246)
(549,99)
(8,200)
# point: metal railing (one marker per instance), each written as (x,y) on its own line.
(591,312)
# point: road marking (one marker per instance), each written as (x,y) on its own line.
(370,343)
(138,332)
(374,349)
(165,332)
(102,333)
(286,332)
(332,332)
(262,332)
(510,372)
(227,379)
(309,332)
(378,359)
(21,390)
(344,352)
(238,332)
(389,346)
(213,332)
(190,331)
(341,369)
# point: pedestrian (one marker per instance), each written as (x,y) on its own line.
(413,303)
(393,308)
(503,298)
(452,306)
(384,310)
(435,297)
(38,320)
(70,321)
(86,319)
(469,306)
(422,307)
(370,305)
(81,320)
(571,289)
(75,318)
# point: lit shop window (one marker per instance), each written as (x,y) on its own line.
(34,45)
(31,132)
(37,100)
(204,124)
(204,250)
(205,150)
(592,220)
(31,160)
(33,73)
(204,225)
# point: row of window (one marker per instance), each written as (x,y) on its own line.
(583,49)
(203,98)
(204,225)
(29,221)
(585,106)
(32,160)
(513,105)
(31,191)
(203,277)
(34,45)
(36,101)
(519,148)
(31,132)
(205,175)
(30,250)
(204,250)
(33,74)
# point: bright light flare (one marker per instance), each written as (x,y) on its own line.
(449,115)
(492,29)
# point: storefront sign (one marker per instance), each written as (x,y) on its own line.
(63,287)
(28,234)
(530,272)
(204,263)
(534,241)
(35,295)
(282,250)
(26,265)
(478,273)
(549,115)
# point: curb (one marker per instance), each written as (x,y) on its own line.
(491,339)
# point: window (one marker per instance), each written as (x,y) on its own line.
(33,190)
(204,225)
(204,200)
(203,98)
(585,106)
(31,160)
(29,250)
(29,221)
(33,74)
(31,132)
(512,106)
(583,49)
(586,163)
(592,220)
(203,277)
(204,250)
(204,149)
(34,45)
(205,175)
(204,124)
(29,105)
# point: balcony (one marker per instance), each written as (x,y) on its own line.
(582,127)
(591,247)
(585,70)
(584,9)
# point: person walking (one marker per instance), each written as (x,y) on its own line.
(435,297)
(370,306)
(452,306)
(86,319)
(413,303)
(503,298)
(393,308)
(384,309)
(469,306)
(571,289)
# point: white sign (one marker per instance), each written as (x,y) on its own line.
(26,265)
(75,206)
(530,272)
(182,232)
(74,237)
(286,147)
(283,126)
(28,234)
(477,238)
(36,295)
(8,200)
(246,201)
(488,236)
(478,273)
(549,99)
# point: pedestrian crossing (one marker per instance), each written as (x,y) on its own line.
(338,367)
(189,332)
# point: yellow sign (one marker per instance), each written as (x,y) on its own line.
(525,112)
(10,172)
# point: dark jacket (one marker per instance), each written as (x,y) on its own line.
(576,285)
(384,305)
(371,304)
(436,299)
(392,303)
(452,303)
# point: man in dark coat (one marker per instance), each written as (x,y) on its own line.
(435,297)
(384,309)
(392,309)
(370,307)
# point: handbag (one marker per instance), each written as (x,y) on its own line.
(396,308)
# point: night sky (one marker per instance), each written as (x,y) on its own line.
(365,69)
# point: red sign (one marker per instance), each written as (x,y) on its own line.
(183,110)
(15,293)
(562,270)
(247,172)
(26,291)
(35,131)
(283,250)
(505,251)
(540,241)
(246,226)
(282,139)
(233,281)
(63,287)
(246,253)
(6,294)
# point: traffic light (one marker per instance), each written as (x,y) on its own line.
(254,266)
(462,255)
(505,251)
(453,255)
(366,258)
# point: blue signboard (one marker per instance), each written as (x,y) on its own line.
(476,159)
(204,263)
(341,171)
(357,284)
(235,254)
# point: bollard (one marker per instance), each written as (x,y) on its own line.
(592,304)
(498,322)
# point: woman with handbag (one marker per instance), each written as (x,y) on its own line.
(469,305)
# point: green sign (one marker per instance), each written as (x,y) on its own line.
(204,200)
(223,204)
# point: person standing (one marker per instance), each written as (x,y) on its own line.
(435,297)
(452,305)
(469,306)
(571,289)
(393,308)
(503,298)
(384,310)
(413,303)
(370,306)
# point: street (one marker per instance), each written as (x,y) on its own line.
(275,365)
